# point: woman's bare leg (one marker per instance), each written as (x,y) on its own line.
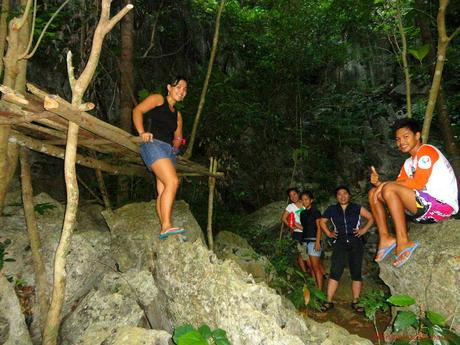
(316,271)
(165,171)
(160,190)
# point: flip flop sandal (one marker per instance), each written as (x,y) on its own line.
(171,231)
(408,250)
(384,252)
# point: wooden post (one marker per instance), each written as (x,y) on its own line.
(212,186)
(102,188)
(34,238)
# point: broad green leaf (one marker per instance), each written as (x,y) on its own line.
(223,342)
(451,337)
(219,334)
(436,318)
(205,331)
(181,330)
(420,52)
(404,319)
(192,338)
(401,300)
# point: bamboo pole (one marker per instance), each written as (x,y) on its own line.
(212,186)
(34,237)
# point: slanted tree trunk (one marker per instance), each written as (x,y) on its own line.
(215,40)
(18,33)
(443,117)
(443,43)
(78,87)
(402,32)
(126,90)
(34,237)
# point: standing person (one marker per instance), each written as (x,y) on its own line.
(345,217)
(426,189)
(159,125)
(309,218)
(295,207)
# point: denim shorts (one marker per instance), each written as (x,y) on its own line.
(155,150)
(311,248)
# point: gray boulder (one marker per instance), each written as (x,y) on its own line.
(200,289)
(135,229)
(432,274)
(229,245)
(137,336)
(263,224)
(120,299)
(13,329)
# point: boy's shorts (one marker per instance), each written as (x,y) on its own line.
(311,249)
(302,250)
(155,150)
(429,209)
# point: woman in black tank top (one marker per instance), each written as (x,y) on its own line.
(159,125)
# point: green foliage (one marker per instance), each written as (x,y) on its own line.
(401,300)
(372,302)
(430,327)
(43,207)
(421,52)
(3,253)
(188,335)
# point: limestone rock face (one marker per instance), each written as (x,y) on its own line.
(135,229)
(118,300)
(137,336)
(265,222)
(199,288)
(229,245)
(432,274)
(13,329)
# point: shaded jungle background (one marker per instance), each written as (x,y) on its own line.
(302,92)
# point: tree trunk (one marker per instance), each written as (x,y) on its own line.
(3,30)
(126,90)
(402,32)
(34,237)
(443,117)
(18,32)
(443,42)
(78,87)
(189,151)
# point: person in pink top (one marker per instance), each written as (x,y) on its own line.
(425,190)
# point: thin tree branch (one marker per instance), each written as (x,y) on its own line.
(154,28)
(23,19)
(28,55)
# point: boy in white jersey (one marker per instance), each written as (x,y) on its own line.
(426,190)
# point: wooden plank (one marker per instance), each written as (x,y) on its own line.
(38,146)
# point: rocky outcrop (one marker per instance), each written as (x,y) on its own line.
(137,336)
(200,288)
(432,275)
(13,329)
(263,224)
(229,245)
(135,228)
(118,300)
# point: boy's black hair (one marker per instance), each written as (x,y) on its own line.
(292,189)
(308,193)
(339,188)
(407,122)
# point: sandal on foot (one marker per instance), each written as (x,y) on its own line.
(383,252)
(171,231)
(327,306)
(357,308)
(408,251)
